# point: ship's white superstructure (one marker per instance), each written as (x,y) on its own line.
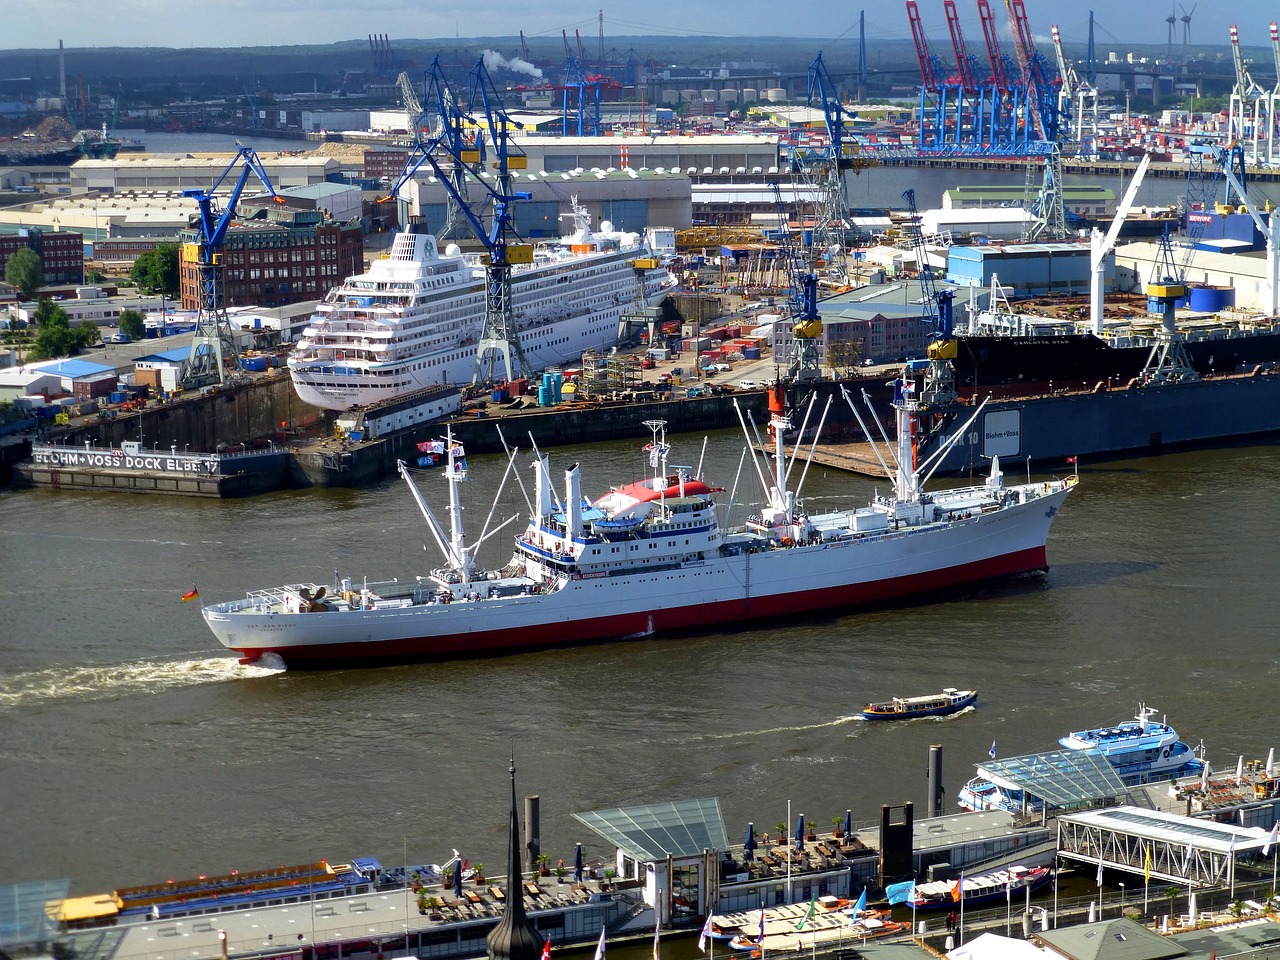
(414,319)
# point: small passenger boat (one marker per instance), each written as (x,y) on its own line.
(998,885)
(949,701)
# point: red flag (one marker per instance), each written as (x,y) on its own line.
(546,950)
(192,594)
(1071,459)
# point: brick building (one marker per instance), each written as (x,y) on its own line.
(121,253)
(380,164)
(61,253)
(273,263)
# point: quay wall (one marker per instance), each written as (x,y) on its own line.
(338,463)
(261,407)
(161,472)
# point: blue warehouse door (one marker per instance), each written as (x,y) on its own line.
(632,215)
(538,218)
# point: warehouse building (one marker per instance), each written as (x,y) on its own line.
(629,199)
(1027,269)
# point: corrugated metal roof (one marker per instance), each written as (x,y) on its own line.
(75,369)
(1223,838)
(1009,250)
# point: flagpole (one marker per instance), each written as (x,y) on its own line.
(1055,889)
(1146,878)
(1231,867)
(1008,905)
(786,836)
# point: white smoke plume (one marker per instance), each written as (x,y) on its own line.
(496,61)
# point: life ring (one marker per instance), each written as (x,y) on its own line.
(1166,753)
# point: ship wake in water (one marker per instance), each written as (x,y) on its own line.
(110,681)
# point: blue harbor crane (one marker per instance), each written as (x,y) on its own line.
(441,118)
(465,152)
(214,355)
(587,101)
(802,300)
(1168,362)
(823,169)
(936,314)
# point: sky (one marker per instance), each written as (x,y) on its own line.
(235,23)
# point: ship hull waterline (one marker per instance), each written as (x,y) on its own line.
(660,602)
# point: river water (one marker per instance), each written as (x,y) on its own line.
(132,749)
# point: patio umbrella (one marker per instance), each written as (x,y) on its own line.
(800,833)
(848,822)
(457,876)
(577,863)
(749,847)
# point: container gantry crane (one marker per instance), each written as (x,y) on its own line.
(1247,101)
(1007,93)
(214,355)
(1273,102)
(1041,98)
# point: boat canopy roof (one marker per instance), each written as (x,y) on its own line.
(1063,778)
(654,831)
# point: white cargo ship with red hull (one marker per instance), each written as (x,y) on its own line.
(651,557)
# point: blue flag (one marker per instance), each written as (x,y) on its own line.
(992,752)
(861,905)
(899,892)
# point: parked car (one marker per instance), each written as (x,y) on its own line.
(121,338)
(748,385)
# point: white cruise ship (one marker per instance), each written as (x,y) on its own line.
(414,319)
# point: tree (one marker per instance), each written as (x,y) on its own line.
(133,324)
(25,272)
(53,332)
(157,271)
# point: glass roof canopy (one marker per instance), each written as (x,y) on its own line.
(1063,778)
(653,831)
(23,916)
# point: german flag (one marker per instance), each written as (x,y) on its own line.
(192,594)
